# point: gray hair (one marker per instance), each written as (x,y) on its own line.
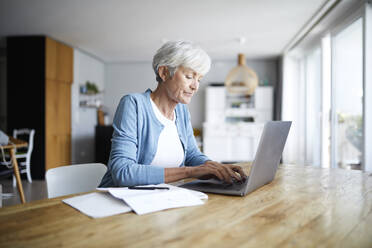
(181,53)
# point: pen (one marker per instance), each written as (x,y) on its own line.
(147,188)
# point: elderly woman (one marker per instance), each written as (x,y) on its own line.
(153,139)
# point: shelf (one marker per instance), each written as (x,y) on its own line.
(90,96)
(240,112)
(88,106)
(224,106)
(91,100)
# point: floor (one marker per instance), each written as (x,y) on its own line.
(33,191)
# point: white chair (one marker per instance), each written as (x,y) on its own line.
(72,179)
(25,166)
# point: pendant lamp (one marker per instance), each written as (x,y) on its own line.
(241,79)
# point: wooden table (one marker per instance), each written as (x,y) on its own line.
(302,207)
(13,144)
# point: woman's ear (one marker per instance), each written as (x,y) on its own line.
(163,72)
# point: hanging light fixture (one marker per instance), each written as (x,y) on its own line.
(241,79)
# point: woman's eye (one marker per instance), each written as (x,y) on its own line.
(188,77)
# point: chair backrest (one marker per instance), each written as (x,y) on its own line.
(73,179)
(30,133)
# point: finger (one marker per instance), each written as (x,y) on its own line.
(240,171)
(212,169)
(217,173)
(232,173)
(226,172)
(218,167)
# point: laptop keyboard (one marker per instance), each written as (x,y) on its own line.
(235,185)
(215,185)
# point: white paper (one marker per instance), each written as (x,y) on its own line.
(199,194)
(98,205)
(148,201)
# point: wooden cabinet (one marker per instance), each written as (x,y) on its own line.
(59,66)
(59,61)
(40,74)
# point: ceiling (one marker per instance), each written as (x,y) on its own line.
(132,30)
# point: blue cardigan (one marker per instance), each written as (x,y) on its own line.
(135,140)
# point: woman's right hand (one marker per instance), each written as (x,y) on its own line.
(223,172)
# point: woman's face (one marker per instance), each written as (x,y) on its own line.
(183,85)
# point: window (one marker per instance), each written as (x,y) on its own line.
(313,99)
(327,94)
(347,96)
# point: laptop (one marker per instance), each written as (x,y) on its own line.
(264,166)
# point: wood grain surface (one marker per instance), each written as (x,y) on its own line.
(302,207)
(58,80)
(15,143)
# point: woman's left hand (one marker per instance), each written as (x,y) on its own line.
(227,172)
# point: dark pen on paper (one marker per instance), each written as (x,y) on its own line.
(147,188)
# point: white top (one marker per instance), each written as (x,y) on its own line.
(170,151)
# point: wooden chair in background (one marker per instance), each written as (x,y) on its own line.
(25,166)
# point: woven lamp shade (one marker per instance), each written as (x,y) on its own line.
(241,79)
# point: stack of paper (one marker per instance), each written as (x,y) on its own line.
(147,201)
(97,205)
(122,200)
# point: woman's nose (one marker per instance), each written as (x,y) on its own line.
(194,85)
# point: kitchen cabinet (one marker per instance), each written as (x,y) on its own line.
(234,123)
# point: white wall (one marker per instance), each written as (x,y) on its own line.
(84,120)
(124,78)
